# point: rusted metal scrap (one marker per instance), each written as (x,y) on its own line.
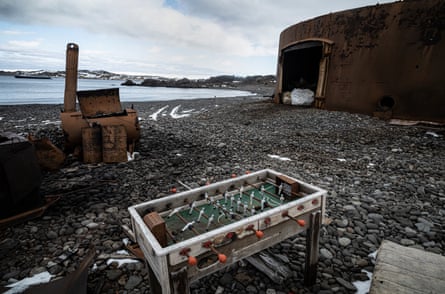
(49,156)
(98,109)
(73,283)
(20,176)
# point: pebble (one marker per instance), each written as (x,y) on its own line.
(113,274)
(373,195)
(326,254)
(343,223)
(346,284)
(407,242)
(226,280)
(52,235)
(344,241)
(132,282)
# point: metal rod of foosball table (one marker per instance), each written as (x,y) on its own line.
(259,200)
(186,223)
(271,194)
(197,209)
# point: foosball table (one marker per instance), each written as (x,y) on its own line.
(191,234)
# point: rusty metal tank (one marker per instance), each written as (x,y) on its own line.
(385,60)
(97,107)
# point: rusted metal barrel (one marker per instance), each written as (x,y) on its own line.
(72,56)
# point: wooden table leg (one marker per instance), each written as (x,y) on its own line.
(312,249)
(180,281)
(155,287)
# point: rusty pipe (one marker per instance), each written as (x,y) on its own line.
(72,56)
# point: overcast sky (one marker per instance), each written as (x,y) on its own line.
(176,38)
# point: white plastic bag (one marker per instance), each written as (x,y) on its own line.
(302,97)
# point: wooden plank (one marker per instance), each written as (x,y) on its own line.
(402,270)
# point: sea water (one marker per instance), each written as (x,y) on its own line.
(51,91)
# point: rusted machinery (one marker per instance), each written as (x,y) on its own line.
(101,129)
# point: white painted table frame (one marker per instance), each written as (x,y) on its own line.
(168,268)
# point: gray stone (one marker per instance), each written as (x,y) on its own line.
(54,270)
(251,289)
(226,279)
(51,235)
(422,227)
(271,291)
(377,218)
(132,282)
(92,225)
(410,232)
(346,284)
(349,208)
(343,241)
(113,274)
(407,242)
(37,270)
(343,223)
(326,254)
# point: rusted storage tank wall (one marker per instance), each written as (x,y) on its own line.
(387,57)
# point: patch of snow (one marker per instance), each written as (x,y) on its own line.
(174,114)
(341,159)
(154,116)
(125,241)
(373,256)
(49,122)
(121,261)
(95,267)
(363,286)
(435,135)
(1,118)
(130,156)
(122,252)
(22,285)
(279,157)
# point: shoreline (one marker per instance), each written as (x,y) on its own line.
(384,182)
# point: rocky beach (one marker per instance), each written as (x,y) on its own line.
(384,182)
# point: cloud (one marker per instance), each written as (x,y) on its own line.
(14,32)
(178,37)
(17,44)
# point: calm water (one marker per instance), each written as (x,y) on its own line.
(30,91)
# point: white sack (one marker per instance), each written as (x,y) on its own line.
(302,97)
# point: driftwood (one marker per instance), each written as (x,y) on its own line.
(270,266)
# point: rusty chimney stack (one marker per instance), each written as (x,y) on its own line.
(72,56)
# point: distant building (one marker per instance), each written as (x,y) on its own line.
(387,60)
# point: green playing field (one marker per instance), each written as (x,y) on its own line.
(219,210)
